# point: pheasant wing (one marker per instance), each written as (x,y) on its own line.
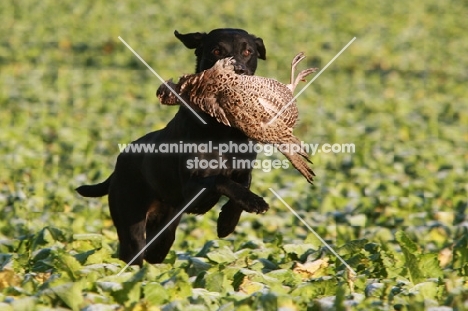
(273,97)
(210,105)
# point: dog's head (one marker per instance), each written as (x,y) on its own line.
(225,42)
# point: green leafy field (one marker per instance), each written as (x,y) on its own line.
(395,210)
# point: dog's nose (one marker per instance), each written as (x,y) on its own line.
(240,69)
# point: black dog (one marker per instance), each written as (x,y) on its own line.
(147,190)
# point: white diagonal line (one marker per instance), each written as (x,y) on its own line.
(162,80)
(162,230)
(313,231)
(310,82)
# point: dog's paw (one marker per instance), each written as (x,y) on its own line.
(254,204)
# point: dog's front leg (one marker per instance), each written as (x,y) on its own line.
(239,194)
(228,218)
(231,211)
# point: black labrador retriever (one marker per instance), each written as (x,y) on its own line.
(147,190)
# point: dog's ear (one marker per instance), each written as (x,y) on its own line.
(191,40)
(260,48)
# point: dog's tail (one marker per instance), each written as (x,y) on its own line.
(94,191)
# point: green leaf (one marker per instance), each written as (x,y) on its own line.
(139,275)
(316,289)
(409,248)
(425,291)
(222,255)
(429,265)
(340,298)
(178,285)
(214,282)
(88,236)
(460,256)
(203,297)
(253,276)
(43,260)
(406,242)
(108,286)
(24,304)
(129,294)
(155,294)
(352,247)
(200,263)
(98,256)
(49,236)
(285,276)
(68,264)
(269,301)
(70,293)
(297,249)
(392,263)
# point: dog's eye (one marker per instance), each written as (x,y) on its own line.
(246,52)
(216,52)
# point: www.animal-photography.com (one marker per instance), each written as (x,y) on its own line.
(233,156)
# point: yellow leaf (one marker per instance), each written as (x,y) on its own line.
(248,287)
(42,277)
(445,257)
(8,278)
(310,269)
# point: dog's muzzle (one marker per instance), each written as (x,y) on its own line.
(241,69)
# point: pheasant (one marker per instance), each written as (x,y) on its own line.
(262,108)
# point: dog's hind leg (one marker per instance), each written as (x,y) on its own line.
(157,217)
(128,204)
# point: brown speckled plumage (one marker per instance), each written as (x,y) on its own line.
(247,103)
